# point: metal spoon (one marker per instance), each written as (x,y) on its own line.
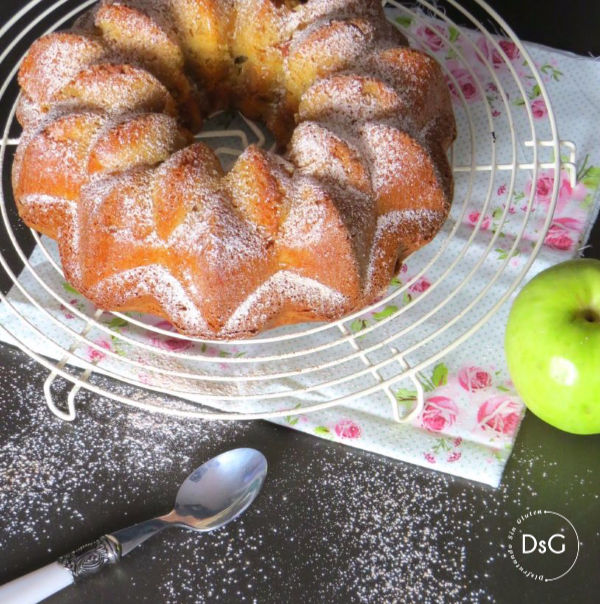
(211,496)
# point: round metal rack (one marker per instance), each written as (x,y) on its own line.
(139,361)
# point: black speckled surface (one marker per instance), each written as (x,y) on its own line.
(332,524)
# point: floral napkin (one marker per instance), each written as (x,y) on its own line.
(471,412)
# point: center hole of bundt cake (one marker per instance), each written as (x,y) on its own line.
(228,134)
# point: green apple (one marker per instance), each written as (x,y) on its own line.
(553,345)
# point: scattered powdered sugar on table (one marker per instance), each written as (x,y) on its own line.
(44,462)
(332,524)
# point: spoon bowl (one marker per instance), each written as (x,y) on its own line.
(211,496)
(221,489)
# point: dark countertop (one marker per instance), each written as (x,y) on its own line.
(332,524)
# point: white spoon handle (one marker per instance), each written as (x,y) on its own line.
(37,585)
(41,583)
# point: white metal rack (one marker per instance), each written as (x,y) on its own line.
(310,367)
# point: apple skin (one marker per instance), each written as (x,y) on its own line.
(553,345)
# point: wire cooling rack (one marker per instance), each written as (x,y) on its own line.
(308,367)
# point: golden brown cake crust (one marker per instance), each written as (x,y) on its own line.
(146,219)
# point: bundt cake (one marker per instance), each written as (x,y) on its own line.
(146,219)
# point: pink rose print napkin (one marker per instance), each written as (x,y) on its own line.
(471,412)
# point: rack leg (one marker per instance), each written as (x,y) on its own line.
(391,397)
(420,400)
(70,414)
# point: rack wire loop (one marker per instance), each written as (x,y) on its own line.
(69,414)
(419,401)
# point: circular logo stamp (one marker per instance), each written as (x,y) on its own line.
(543,545)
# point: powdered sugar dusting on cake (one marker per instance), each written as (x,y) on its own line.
(319,152)
(349,99)
(134,223)
(391,163)
(117,89)
(284,287)
(358,213)
(402,68)
(418,81)
(29,113)
(148,19)
(70,245)
(307,218)
(396,218)
(40,199)
(327,45)
(216,234)
(58,58)
(398,222)
(156,281)
(308,12)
